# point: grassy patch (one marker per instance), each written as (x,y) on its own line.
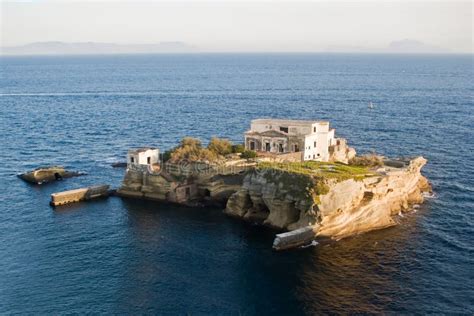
(309,179)
(321,170)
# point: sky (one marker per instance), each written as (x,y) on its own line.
(220,26)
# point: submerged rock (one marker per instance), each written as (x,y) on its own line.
(119,164)
(47,174)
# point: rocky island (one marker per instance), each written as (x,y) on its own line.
(295,176)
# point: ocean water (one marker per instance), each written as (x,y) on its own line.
(134,257)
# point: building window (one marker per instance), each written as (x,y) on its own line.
(314,144)
(314,129)
(252,145)
(267,146)
(132,160)
(148,160)
(296,148)
(284,129)
(280,148)
(314,156)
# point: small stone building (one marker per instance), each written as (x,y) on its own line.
(143,156)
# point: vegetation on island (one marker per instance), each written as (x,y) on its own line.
(191,149)
(220,146)
(310,177)
(318,169)
(369,160)
(248,154)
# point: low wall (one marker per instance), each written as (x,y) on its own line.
(286,157)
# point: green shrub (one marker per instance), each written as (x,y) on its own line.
(191,149)
(166,155)
(220,146)
(190,141)
(247,154)
(370,160)
(238,149)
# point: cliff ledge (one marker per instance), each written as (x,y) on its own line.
(335,200)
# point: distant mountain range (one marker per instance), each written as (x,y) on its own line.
(62,48)
(82,48)
(406,46)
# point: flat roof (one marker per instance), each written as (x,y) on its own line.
(285,121)
(269,133)
(142,149)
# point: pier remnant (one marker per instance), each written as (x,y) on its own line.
(77,195)
(294,238)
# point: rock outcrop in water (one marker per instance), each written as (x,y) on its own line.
(334,207)
(47,174)
(328,200)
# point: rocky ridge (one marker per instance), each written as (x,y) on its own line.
(288,201)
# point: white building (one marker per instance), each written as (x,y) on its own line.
(313,139)
(143,156)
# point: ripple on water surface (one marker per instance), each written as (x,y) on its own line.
(124,256)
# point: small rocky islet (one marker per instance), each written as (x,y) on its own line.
(329,193)
(48,174)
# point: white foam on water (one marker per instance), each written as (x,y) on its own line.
(428,195)
(314,243)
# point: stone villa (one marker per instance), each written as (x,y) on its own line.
(313,140)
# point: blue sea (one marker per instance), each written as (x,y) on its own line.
(117,256)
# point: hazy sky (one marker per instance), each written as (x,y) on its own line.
(241,25)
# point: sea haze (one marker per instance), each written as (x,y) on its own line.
(131,257)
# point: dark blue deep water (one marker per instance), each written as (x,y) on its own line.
(129,257)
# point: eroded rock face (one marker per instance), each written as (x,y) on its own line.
(283,198)
(349,207)
(188,188)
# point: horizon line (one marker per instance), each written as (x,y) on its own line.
(237,52)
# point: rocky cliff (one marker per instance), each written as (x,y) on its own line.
(190,184)
(333,203)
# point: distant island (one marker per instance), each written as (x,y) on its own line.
(83,48)
(405,46)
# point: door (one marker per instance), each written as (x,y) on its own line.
(267,146)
